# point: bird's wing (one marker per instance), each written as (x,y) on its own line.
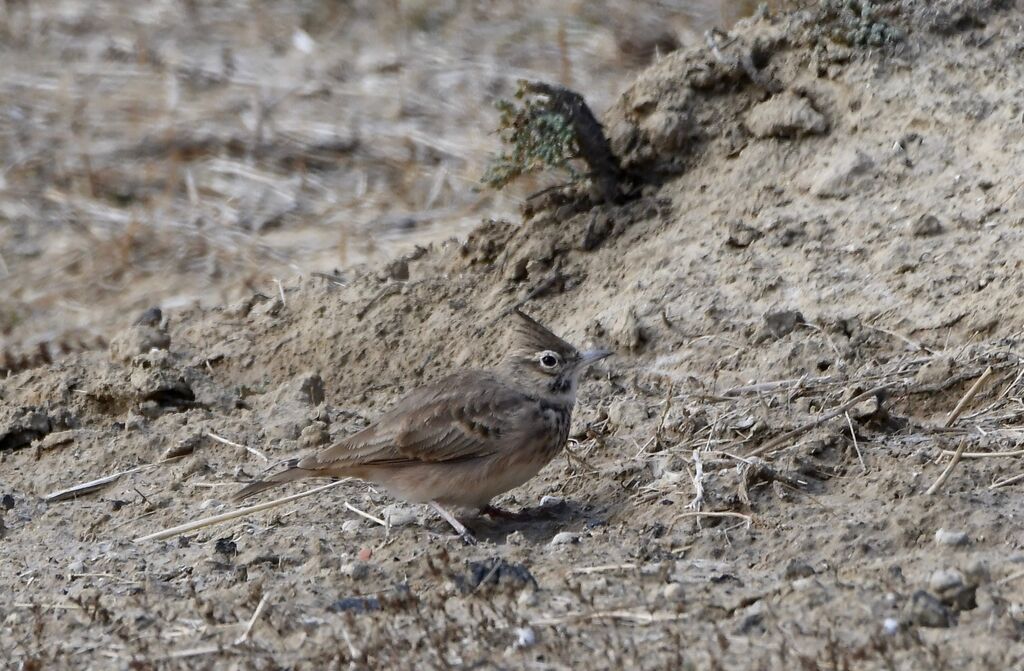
(459,418)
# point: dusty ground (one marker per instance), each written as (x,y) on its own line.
(830,205)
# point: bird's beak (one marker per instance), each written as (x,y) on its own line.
(594,355)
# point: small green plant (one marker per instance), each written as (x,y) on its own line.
(537,138)
(860,22)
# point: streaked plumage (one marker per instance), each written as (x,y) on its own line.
(468,437)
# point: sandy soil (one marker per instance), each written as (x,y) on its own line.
(826,224)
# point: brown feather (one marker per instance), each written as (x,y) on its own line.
(273,481)
(465,438)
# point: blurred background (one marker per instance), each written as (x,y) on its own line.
(180,152)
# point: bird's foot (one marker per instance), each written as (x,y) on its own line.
(501,513)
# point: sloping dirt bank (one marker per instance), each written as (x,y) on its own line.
(834,206)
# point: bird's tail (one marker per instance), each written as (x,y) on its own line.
(293,473)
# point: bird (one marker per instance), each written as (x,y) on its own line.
(466,438)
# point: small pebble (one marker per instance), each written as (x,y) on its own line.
(924,610)
(673,592)
(525,637)
(350,526)
(355,570)
(527,597)
(564,538)
(945,580)
(550,501)
(950,537)
(891,626)
(797,569)
(976,572)
(398,515)
(226,547)
(364,554)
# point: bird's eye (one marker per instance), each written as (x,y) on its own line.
(548,360)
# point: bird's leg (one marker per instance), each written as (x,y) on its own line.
(501,513)
(467,537)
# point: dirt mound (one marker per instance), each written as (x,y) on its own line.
(821,265)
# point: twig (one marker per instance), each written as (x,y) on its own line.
(586,570)
(698,481)
(636,617)
(775,442)
(234,514)
(353,651)
(856,447)
(949,469)
(697,513)
(778,384)
(971,393)
(985,455)
(1010,578)
(251,450)
(368,516)
(665,410)
(280,289)
(94,485)
(194,652)
(913,343)
(252,621)
(1013,384)
(1007,481)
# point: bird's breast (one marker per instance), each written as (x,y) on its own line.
(551,428)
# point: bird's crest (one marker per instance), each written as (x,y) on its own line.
(529,337)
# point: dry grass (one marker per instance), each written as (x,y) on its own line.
(173,153)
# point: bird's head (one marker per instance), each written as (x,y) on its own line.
(544,362)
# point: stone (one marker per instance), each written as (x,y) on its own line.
(314,435)
(667,130)
(976,572)
(741,235)
(626,331)
(355,604)
(398,515)
(626,413)
(19,426)
(796,569)
(785,115)
(494,572)
(782,323)
(926,226)
(952,538)
(56,439)
(840,176)
(945,580)
(673,592)
(310,388)
(936,371)
(526,637)
(924,610)
(398,270)
(136,340)
(564,538)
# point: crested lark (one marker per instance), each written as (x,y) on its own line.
(468,437)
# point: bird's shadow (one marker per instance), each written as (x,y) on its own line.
(538,524)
